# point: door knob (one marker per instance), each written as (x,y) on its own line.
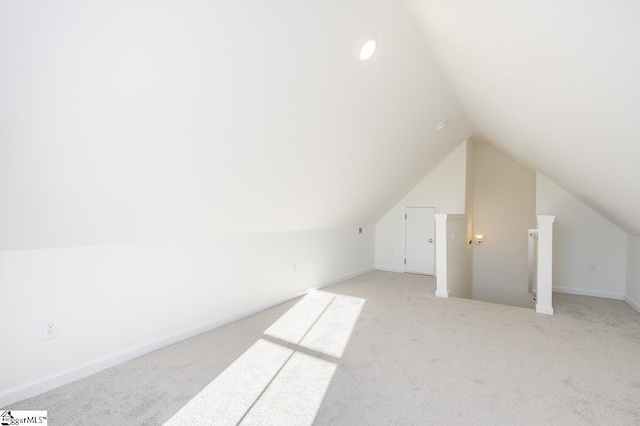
(430,240)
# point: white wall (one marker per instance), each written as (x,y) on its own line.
(632,294)
(582,237)
(113,302)
(443,188)
(123,122)
(504,209)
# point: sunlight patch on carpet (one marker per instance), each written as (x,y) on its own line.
(294,324)
(271,384)
(295,395)
(332,331)
(228,397)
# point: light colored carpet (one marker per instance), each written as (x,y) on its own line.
(295,395)
(416,359)
(331,333)
(272,385)
(227,398)
(297,321)
(413,359)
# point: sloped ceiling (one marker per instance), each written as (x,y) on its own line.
(122,121)
(553,84)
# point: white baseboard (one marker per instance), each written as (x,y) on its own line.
(547,310)
(335,281)
(389,269)
(53,381)
(587,292)
(635,305)
(442,293)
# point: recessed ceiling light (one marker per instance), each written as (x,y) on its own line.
(367,50)
(440,127)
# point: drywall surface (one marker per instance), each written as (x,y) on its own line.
(443,188)
(589,251)
(504,209)
(123,122)
(113,302)
(544,81)
(632,294)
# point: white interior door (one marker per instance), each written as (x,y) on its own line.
(420,240)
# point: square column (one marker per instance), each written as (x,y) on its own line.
(545,265)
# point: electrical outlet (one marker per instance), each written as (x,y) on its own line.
(295,267)
(49,329)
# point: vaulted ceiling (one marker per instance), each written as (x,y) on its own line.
(553,84)
(122,121)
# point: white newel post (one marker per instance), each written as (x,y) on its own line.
(545,263)
(441,255)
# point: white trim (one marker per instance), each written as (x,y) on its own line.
(587,292)
(323,285)
(544,265)
(442,289)
(635,305)
(543,218)
(544,309)
(441,293)
(53,381)
(449,216)
(389,269)
(422,206)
